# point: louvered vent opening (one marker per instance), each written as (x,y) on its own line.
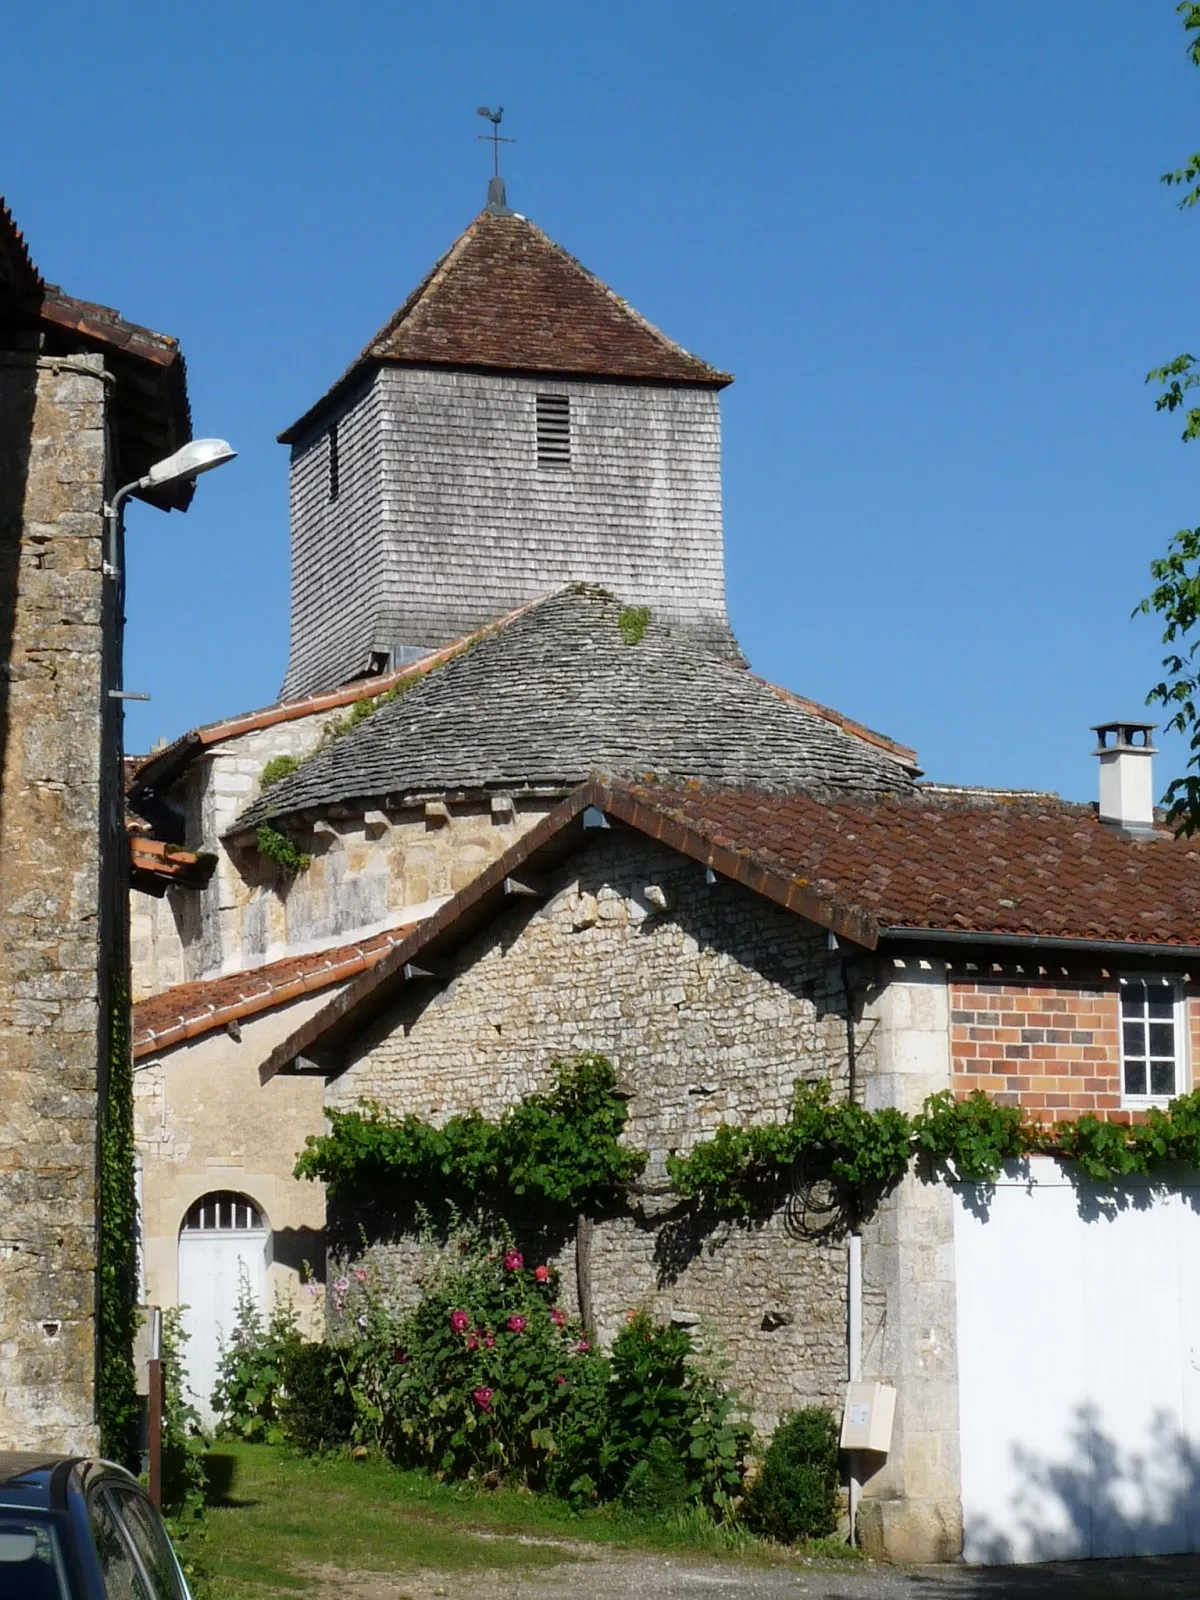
(554,431)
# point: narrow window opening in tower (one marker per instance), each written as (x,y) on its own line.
(334,463)
(554,431)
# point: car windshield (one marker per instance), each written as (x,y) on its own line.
(31,1565)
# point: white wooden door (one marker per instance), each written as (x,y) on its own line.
(1079,1367)
(223,1244)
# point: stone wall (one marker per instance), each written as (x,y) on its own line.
(710,1011)
(445,519)
(363,877)
(57,904)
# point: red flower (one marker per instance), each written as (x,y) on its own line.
(580,1346)
(513,1261)
(515,1324)
(459,1321)
(489,1341)
(560,1377)
(472,1342)
(401,1355)
(558,1317)
(483,1399)
(542,1274)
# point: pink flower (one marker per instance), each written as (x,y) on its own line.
(580,1346)
(472,1342)
(360,1275)
(542,1274)
(515,1324)
(489,1341)
(459,1321)
(341,1285)
(560,1377)
(483,1399)
(558,1317)
(513,1261)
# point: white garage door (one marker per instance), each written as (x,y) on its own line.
(1079,1367)
(224,1243)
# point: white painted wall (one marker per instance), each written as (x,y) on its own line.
(1079,1368)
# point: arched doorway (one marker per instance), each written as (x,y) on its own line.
(225,1240)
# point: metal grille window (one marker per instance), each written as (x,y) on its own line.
(223,1211)
(1151,1056)
(554,431)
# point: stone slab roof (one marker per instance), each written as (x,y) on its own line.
(506,297)
(872,871)
(556,694)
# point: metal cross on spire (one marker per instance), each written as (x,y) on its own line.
(496,137)
(498,202)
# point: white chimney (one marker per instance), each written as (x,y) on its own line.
(1126,775)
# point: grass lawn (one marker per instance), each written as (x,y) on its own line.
(276,1518)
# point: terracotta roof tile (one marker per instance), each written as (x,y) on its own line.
(1034,866)
(191,1009)
(505,296)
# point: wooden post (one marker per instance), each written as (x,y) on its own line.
(583,1274)
(155,1431)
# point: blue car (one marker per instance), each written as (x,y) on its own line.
(73,1529)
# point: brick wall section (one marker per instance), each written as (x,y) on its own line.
(445,520)
(710,1012)
(1052,1047)
(56,906)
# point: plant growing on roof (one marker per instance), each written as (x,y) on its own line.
(278,767)
(633,622)
(277,847)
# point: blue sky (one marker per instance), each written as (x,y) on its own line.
(927,237)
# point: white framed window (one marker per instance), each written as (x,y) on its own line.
(1154,1039)
(223,1211)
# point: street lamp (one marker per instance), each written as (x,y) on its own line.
(201,455)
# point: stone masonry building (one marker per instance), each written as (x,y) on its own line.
(87,402)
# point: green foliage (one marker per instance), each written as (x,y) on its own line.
(559,1150)
(119,1408)
(184,1479)
(633,622)
(738,1172)
(316,1406)
(277,768)
(277,847)
(252,1368)
(972,1137)
(369,705)
(795,1494)
(487,1377)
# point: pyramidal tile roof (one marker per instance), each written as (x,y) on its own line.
(566,689)
(506,296)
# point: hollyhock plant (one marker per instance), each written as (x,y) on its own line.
(459,1321)
(483,1399)
(513,1261)
(489,1341)
(559,1317)
(542,1274)
(515,1324)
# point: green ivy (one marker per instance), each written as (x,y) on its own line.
(560,1150)
(117,1314)
(633,622)
(738,1171)
(277,847)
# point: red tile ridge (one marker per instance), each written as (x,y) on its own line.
(840,720)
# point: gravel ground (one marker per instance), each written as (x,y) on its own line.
(588,1574)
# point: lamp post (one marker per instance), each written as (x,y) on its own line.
(201,455)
